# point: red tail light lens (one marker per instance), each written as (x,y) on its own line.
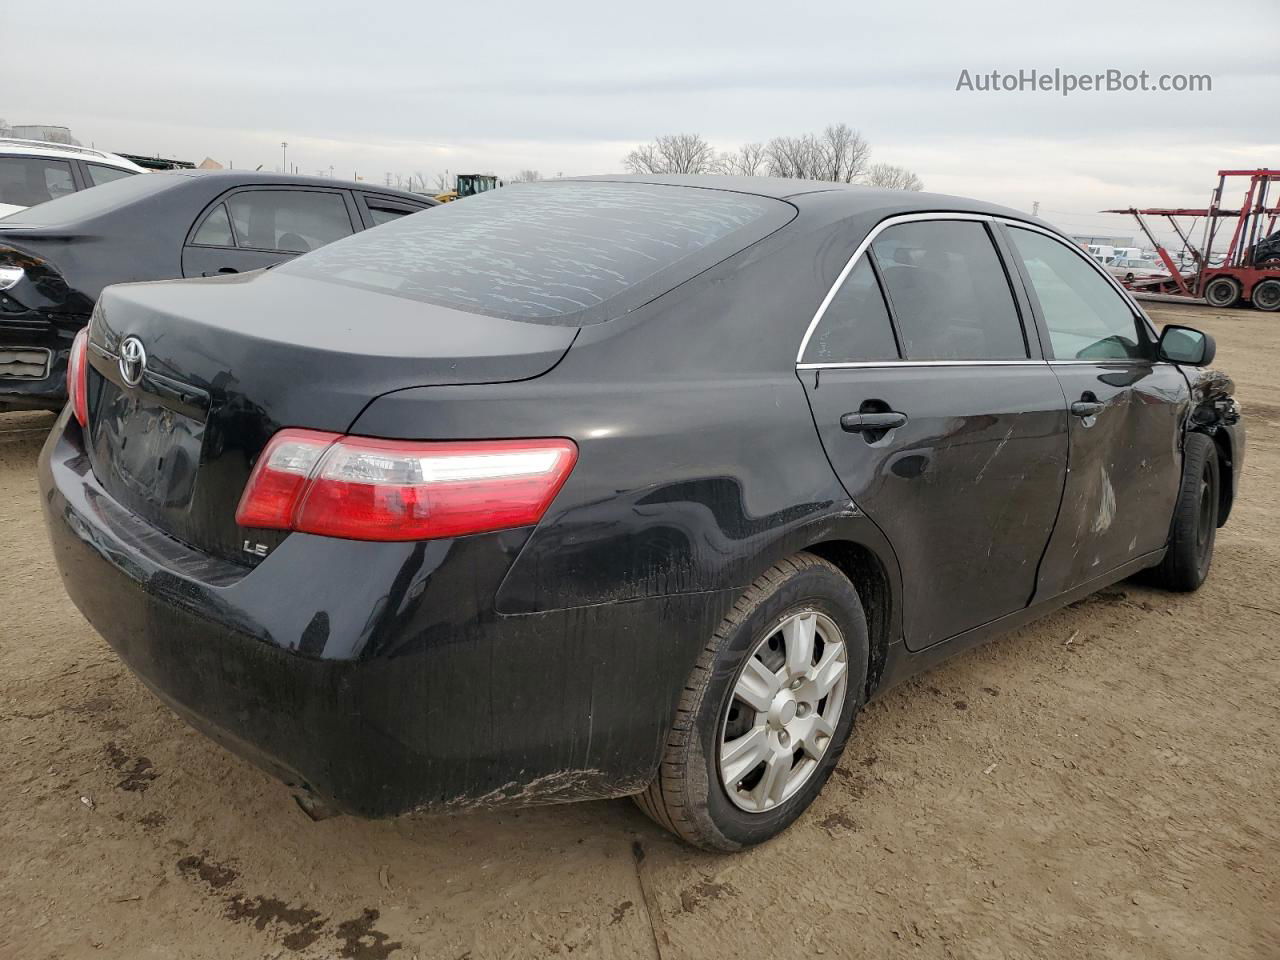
(359,488)
(78,377)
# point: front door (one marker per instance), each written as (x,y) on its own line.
(944,423)
(1126,419)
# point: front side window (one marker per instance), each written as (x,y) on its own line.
(569,253)
(291,221)
(949,292)
(100,173)
(855,325)
(1086,317)
(27,181)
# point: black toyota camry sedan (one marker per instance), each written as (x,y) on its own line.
(56,257)
(618,486)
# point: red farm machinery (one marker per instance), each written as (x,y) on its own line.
(1249,270)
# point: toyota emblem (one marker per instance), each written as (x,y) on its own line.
(133,361)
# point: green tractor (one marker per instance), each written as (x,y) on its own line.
(469,184)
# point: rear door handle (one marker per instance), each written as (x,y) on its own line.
(859,422)
(1086,408)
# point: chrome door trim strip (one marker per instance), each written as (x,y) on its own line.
(843,365)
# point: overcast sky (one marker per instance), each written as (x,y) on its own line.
(570,87)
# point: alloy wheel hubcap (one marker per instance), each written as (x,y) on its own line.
(784,711)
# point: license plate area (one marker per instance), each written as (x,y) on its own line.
(148,450)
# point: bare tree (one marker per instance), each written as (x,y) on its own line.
(748,161)
(794,157)
(839,154)
(844,154)
(672,153)
(444,182)
(893,178)
(526,176)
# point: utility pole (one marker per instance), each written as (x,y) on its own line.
(284,157)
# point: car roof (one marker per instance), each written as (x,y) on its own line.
(234,178)
(851,198)
(11,146)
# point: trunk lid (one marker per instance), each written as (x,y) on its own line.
(229,361)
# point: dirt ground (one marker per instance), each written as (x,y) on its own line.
(1101,784)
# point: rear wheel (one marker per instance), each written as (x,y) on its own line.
(1222,292)
(767,710)
(1266,295)
(1195,519)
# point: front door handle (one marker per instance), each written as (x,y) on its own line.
(1086,408)
(865,422)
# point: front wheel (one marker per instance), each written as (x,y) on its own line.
(767,710)
(1195,519)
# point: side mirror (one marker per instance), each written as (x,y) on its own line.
(1179,344)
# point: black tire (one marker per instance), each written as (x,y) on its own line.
(1128,278)
(1222,292)
(1266,296)
(687,796)
(1195,519)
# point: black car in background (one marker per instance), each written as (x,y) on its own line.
(56,257)
(618,486)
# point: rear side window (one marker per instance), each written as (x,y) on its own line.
(571,252)
(27,181)
(855,326)
(1086,317)
(100,173)
(293,221)
(216,229)
(949,292)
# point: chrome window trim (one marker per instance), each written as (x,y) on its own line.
(841,365)
(980,218)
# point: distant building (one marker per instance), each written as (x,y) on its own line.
(40,131)
(1086,240)
(208,163)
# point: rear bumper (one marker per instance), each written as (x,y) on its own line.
(46,393)
(376,675)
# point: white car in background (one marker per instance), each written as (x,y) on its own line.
(1129,270)
(33,171)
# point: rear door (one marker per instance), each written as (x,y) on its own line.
(941,418)
(257,227)
(1126,410)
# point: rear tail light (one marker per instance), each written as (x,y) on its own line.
(359,488)
(78,377)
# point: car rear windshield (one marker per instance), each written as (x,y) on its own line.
(566,252)
(92,202)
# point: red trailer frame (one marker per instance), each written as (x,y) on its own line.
(1237,275)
